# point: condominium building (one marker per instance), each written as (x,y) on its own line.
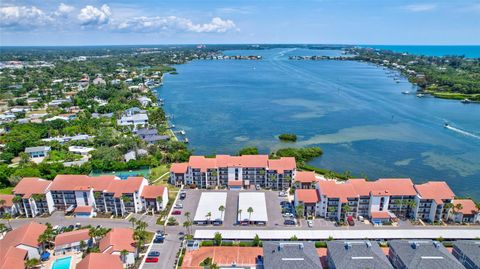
(243,171)
(379,200)
(108,194)
(33,197)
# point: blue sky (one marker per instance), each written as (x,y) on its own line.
(49,22)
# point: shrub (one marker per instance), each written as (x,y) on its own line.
(320,244)
(208,243)
(288,137)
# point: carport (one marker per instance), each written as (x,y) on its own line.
(208,208)
(255,201)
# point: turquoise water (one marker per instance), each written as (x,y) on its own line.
(354,111)
(123,174)
(63,263)
(467,51)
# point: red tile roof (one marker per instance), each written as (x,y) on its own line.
(100,260)
(307,196)
(384,187)
(12,257)
(72,237)
(257,161)
(83,209)
(435,190)
(179,168)
(380,215)
(331,189)
(81,182)
(202,163)
(305,177)
(31,185)
(129,185)
(117,240)
(468,206)
(8,200)
(153,191)
(282,164)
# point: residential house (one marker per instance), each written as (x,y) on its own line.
(6,205)
(37,152)
(98,81)
(34,197)
(309,199)
(356,254)
(251,170)
(431,200)
(155,197)
(145,101)
(117,240)
(417,254)
(337,200)
(133,154)
(468,253)
(100,260)
(466,212)
(19,245)
(290,255)
(71,241)
(84,151)
(135,120)
(151,135)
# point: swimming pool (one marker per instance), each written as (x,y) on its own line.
(63,263)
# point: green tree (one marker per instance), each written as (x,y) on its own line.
(300,211)
(250,211)
(217,239)
(248,151)
(124,254)
(32,263)
(221,208)
(256,241)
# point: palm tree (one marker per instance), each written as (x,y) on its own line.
(160,200)
(8,217)
(32,263)
(457,208)
(345,209)
(133,221)
(208,216)
(448,207)
(124,254)
(83,245)
(186,225)
(221,209)
(300,211)
(187,215)
(239,213)
(3,228)
(250,211)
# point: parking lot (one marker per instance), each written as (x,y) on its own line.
(272,200)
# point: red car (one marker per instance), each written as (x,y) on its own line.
(176,212)
(151,259)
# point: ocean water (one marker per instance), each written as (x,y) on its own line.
(467,51)
(354,111)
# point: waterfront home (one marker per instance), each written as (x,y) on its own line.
(145,101)
(288,255)
(431,200)
(467,252)
(117,240)
(133,154)
(33,197)
(71,241)
(135,120)
(84,151)
(356,254)
(19,245)
(150,135)
(416,254)
(38,152)
(100,260)
(65,139)
(251,170)
(155,197)
(465,210)
(6,205)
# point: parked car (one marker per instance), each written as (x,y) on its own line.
(287,215)
(78,225)
(176,212)
(159,239)
(284,203)
(151,259)
(289,222)
(154,254)
(178,206)
(183,195)
(310,223)
(350,221)
(159,232)
(282,194)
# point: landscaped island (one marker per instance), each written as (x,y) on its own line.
(288,137)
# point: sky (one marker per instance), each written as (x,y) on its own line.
(123,22)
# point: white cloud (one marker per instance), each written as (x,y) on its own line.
(90,15)
(22,17)
(64,9)
(173,23)
(421,7)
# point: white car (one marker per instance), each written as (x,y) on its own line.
(310,223)
(178,206)
(287,215)
(282,194)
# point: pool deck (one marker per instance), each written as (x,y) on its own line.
(76,258)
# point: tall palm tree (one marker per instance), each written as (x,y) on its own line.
(133,221)
(160,200)
(345,209)
(208,216)
(186,225)
(239,213)
(448,207)
(250,211)
(124,254)
(221,209)
(187,215)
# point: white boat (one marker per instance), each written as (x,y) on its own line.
(420,95)
(406,92)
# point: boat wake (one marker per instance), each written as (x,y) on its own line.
(460,131)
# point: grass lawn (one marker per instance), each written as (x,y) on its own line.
(159,170)
(7,190)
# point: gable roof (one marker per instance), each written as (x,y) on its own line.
(8,198)
(468,206)
(179,168)
(307,196)
(100,183)
(100,260)
(435,190)
(282,164)
(117,239)
(305,177)
(357,254)
(72,237)
(153,191)
(31,185)
(384,187)
(424,254)
(129,185)
(290,255)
